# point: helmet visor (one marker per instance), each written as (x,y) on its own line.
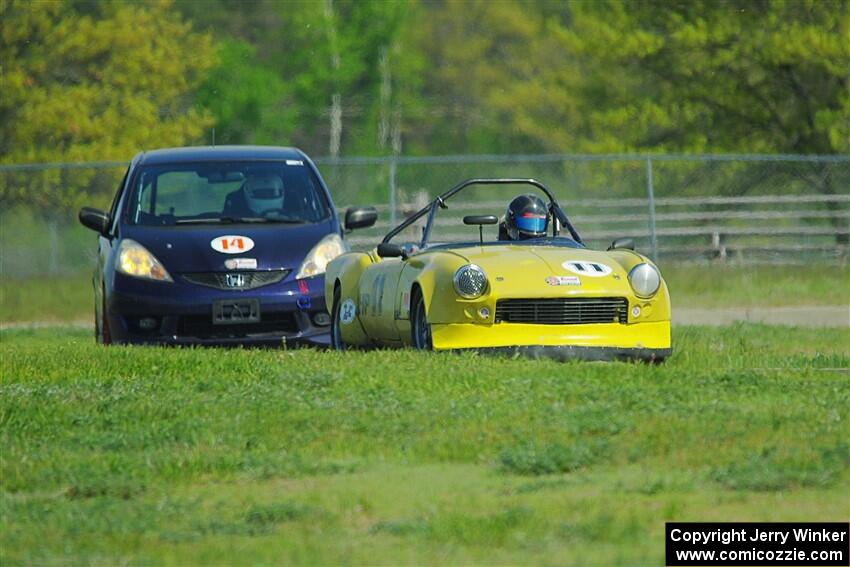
(531,222)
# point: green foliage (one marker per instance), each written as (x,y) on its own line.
(175,456)
(709,76)
(629,75)
(99,80)
(495,79)
(315,50)
(335,49)
(244,97)
(92,83)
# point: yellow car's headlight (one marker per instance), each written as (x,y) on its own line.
(470,281)
(135,260)
(645,280)
(321,255)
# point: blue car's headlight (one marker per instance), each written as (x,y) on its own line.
(645,280)
(321,255)
(470,281)
(135,260)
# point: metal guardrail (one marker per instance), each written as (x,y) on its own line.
(715,232)
(584,220)
(727,228)
(666,201)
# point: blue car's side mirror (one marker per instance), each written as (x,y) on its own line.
(95,219)
(360,217)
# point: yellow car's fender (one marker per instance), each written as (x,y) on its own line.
(660,302)
(343,274)
(425,274)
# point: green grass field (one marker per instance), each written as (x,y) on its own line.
(69,298)
(133,455)
(65,298)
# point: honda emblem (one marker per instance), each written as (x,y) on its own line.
(234,280)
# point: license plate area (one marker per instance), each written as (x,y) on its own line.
(236,311)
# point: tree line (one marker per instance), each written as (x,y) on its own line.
(95,80)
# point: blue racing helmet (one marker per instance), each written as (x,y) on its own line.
(527,217)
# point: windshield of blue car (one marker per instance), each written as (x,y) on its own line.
(215,193)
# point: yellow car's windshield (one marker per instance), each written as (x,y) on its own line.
(442,221)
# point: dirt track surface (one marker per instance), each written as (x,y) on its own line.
(805,316)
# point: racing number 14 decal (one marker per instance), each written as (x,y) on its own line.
(232,244)
(236,243)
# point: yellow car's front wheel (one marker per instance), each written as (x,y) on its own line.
(420,329)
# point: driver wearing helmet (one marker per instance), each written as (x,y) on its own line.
(527,217)
(259,194)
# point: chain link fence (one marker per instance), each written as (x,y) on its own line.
(731,208)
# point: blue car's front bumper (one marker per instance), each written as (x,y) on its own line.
(140,311)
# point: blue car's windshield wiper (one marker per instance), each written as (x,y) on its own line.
(208,220)
(285,220)
(231,220)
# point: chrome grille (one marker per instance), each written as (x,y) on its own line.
(248,280)
(563,311)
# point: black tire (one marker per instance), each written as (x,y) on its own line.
(420,328)
(336,337)
(101,323)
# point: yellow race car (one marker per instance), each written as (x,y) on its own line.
(537,292)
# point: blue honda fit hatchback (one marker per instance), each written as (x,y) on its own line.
(217,245)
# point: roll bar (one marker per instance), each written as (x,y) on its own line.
(440,202)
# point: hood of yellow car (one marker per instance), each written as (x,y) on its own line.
(542,271)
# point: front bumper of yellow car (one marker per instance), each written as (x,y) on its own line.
(648,341)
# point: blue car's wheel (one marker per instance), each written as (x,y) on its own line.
(336,336)
(101,323)
(419,326)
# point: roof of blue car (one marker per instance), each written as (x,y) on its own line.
(218,153)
